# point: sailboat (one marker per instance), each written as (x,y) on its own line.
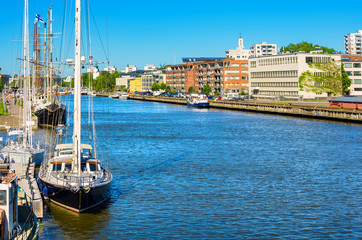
(19,149)
(74,178)
(49,110)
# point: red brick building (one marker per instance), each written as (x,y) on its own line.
(220,74)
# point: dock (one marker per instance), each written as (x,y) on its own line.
(294,109)
(27,182)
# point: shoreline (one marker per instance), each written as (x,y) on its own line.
(298,109)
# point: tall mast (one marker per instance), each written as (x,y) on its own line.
(51,52)
(26,73)
(45,85)
(77,96)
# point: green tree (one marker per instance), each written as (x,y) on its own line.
(207,89)
(167,89)
(191,90)
(163,86)
(1,86)
(346,81)
(327,78)
(155,86)
(86,78)
(306,47)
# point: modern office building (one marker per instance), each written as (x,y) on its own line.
(220,74)
(278,76)
(353,66)
(263,49)
(240,52)
(352,43)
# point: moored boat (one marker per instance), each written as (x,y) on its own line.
(74,178)
(123,96)
(75,190)
(198,101)
(16,221)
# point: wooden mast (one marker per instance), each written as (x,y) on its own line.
(77,96)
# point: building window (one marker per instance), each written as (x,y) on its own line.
(356,65)
(348,65)
(2,197)
(357,73)
(358,89)
(357,81)
(349,73)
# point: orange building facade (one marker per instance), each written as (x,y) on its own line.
(221,75)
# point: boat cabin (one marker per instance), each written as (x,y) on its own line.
(64,160)
(8,204)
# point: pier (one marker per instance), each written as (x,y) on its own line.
(295,109)
(27,182)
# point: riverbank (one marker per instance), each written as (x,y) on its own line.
(315,110)
(15,119)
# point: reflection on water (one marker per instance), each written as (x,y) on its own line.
(185,173)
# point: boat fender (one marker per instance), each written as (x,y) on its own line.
(50,191)
(40,187)
(45,192)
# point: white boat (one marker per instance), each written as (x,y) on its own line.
(198,100)
(75,178)
(114,95)
(123,96)
(16,221)
(15,151)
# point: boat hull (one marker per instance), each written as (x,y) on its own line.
(51,116)
(80,200)
(198,105)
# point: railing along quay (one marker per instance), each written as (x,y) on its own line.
(288,109)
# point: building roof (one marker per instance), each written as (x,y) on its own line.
(347,98)
(351,57)
(201,59)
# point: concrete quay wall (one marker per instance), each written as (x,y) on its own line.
(307,110)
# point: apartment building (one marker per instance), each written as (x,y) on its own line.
(352,43)
(263,49)
(278,76)
(219,73)
(135,84)
(240,52)
(353,67)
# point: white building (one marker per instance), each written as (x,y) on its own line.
(124,80)
(110,69)
(263,49)
(129,68)
(352,43)
(240,52)
(69,79)
(94,70)
(149,67)
(353,67)
(278,75)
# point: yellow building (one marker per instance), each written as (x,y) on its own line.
(135,85)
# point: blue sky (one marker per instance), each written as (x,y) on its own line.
(162,32)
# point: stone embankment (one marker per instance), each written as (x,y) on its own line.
(315,110)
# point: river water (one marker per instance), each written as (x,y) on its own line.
(183,173)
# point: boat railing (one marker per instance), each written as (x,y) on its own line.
(28,228)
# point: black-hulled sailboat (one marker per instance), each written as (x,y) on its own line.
(74,178)
(48,108)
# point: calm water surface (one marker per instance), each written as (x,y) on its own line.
(182,173)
